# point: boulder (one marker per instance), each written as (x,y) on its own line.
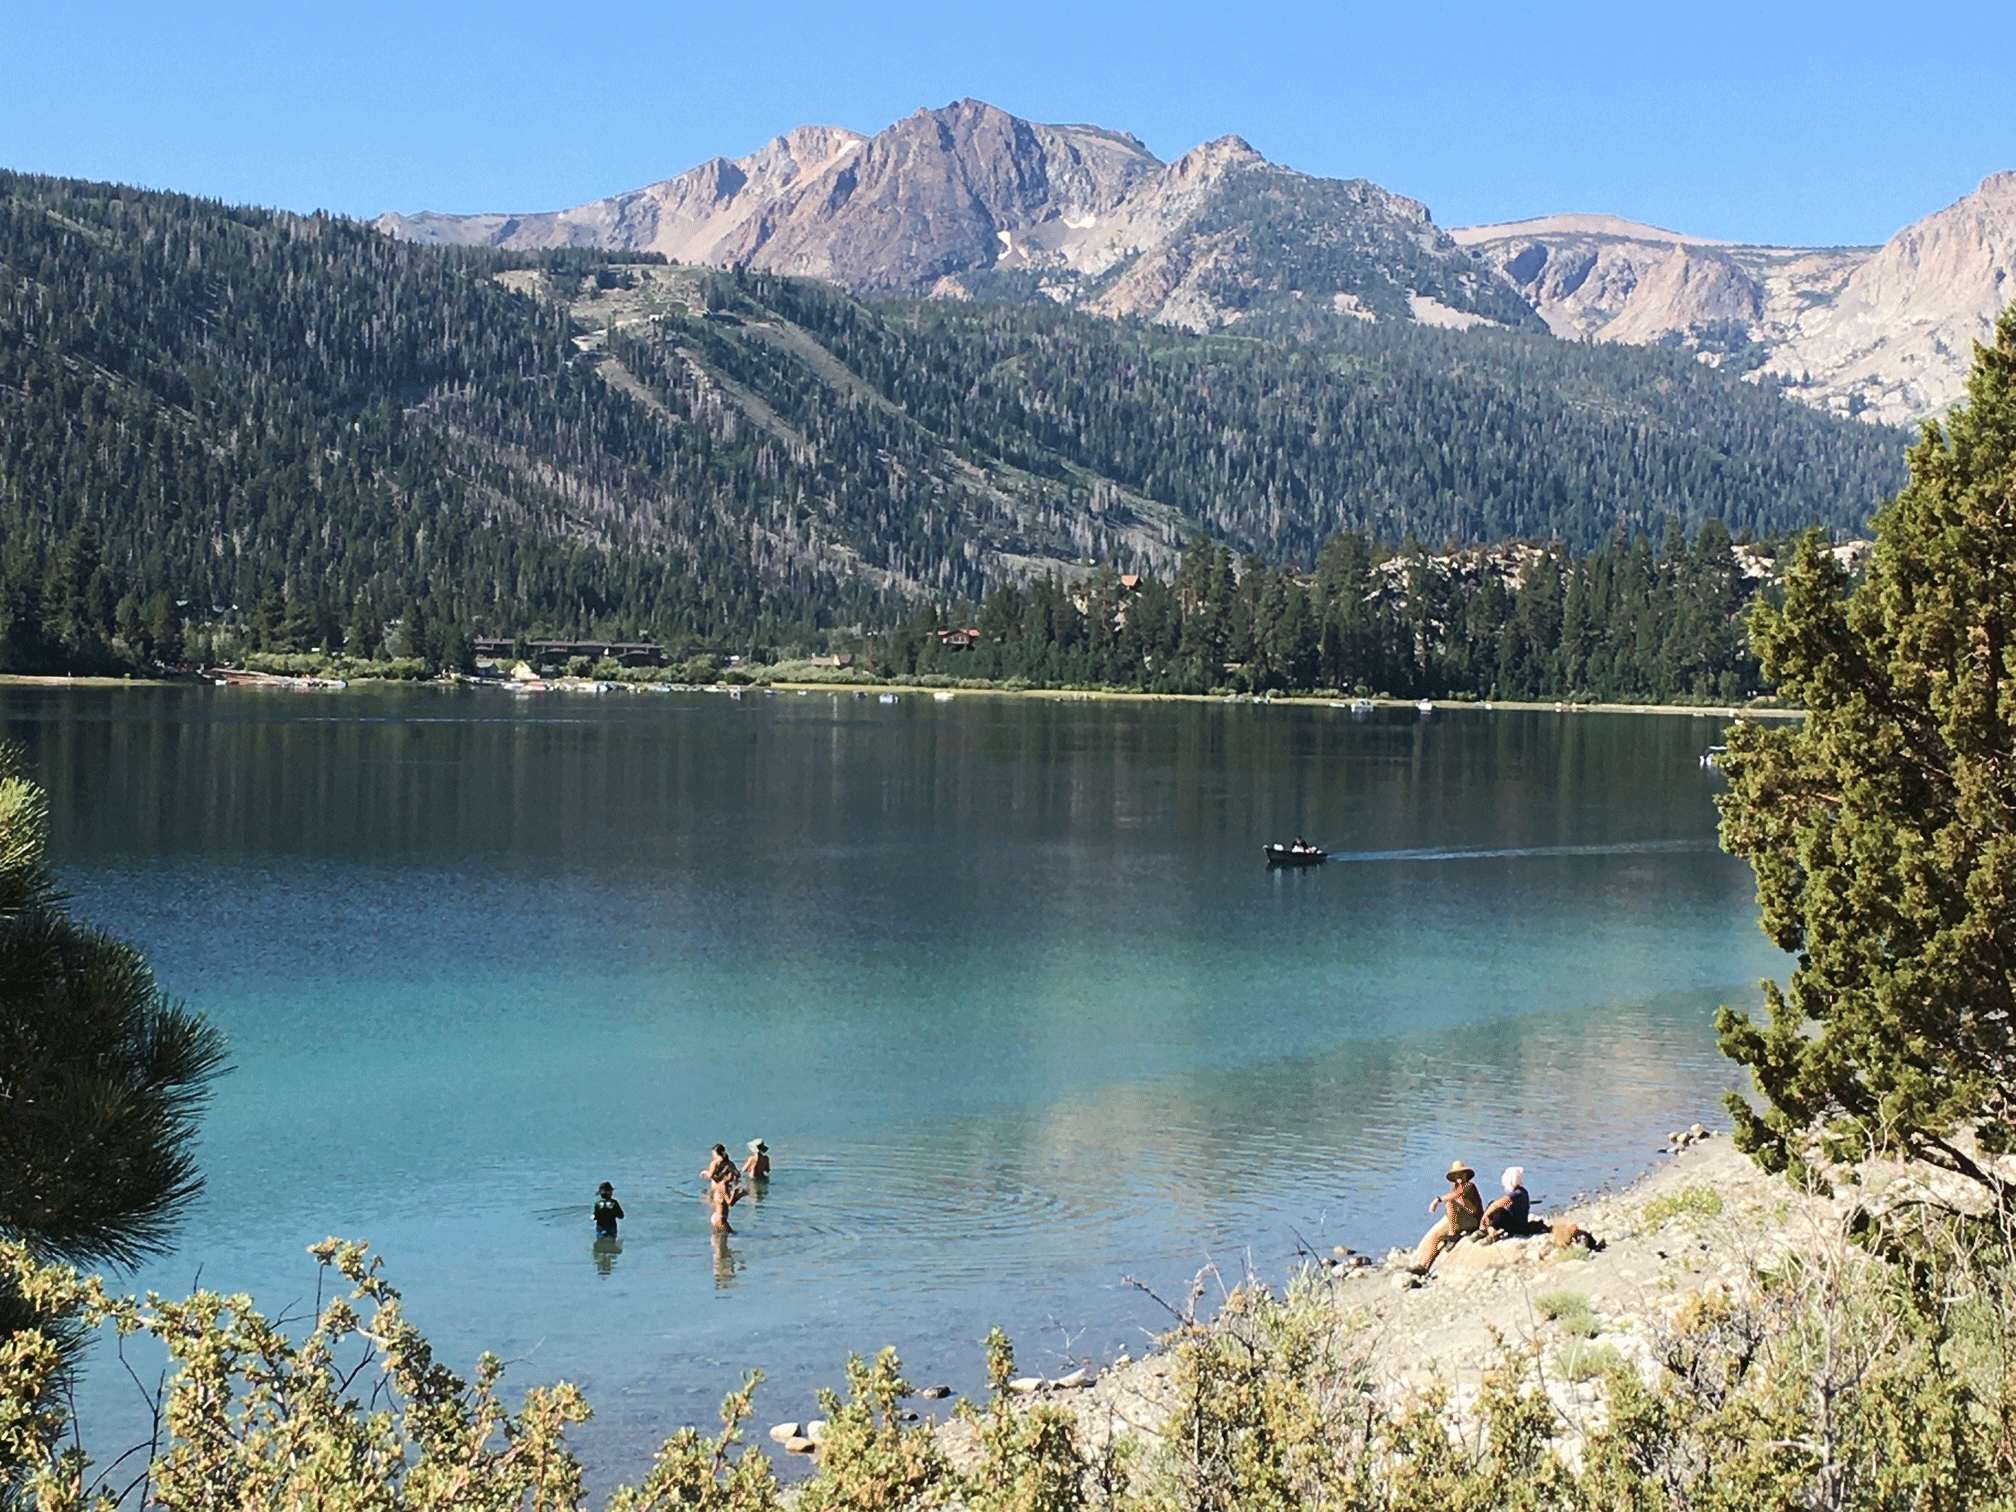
(935,1393)
(1473,1258)
(1026,1385)
(801,1446)
(783,1433)
(1075,1379)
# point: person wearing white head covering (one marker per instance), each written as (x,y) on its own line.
(1510,1215)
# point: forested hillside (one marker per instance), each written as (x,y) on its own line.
(1623,623)
(311,434)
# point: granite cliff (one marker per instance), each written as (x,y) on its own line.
(1885,332)
(971,200)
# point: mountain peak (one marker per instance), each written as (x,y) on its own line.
(1580,225)
(1229,151)
(959,197)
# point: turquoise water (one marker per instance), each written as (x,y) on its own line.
(1003,982)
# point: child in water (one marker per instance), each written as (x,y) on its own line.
(607,1211)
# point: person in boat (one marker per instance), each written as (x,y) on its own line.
(608,1211)
(1301,846)
(1462,1213)
(1511,1216)
(757,1166)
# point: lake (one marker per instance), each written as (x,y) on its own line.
(1002,981)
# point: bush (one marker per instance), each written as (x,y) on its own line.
(1584,1361)
(1570,1310)
(1694,1202)
(1840,1380)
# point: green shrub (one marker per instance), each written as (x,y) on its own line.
(1839,1380)
(1570,1310)
(1581,1360)
(1692,1202)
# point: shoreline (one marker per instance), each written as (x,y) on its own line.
(923,690)
(64,680)
(1302,700)
(1698,1224)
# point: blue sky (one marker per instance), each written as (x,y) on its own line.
(1794,123)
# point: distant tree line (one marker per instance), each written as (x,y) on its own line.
(1625,622)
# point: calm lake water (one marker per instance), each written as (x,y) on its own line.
(1003,982)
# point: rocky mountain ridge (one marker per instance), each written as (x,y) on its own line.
(1885,332)
(970,200)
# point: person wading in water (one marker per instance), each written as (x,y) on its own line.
(723,1194)
(608,1211)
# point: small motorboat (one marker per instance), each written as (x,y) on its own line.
(1295,855)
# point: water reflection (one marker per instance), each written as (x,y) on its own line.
(606,1251)
(726,1262)
(1007,978)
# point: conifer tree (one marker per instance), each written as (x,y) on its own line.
(101,1076)
(1883,829)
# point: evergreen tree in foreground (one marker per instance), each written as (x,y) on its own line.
(1883,829)
(101,1076)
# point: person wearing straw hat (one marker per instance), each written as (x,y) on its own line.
(757,1166)
(1462,1212)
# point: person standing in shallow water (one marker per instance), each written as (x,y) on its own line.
(720,1168)
(608,1211)
(757,1166)
(722,1195)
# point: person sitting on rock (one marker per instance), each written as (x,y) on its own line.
(1510,1216)
(1463,1212)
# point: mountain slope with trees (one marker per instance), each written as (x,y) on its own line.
(318,436)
